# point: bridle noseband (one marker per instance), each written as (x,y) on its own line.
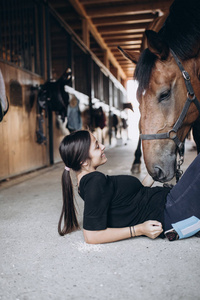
(172,134)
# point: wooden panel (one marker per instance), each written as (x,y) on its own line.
(108,9)
(20,153)
(127,19)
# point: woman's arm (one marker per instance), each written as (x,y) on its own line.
(152,229)
(148,180)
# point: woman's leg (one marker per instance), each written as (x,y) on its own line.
(183,201)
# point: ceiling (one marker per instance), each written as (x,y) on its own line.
(103,25)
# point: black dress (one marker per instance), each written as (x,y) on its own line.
(119,201)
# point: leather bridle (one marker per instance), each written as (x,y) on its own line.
(191,98)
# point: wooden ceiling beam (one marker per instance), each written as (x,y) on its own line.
(130,66)
(127,19)
(129,72)
(114,48)
(122,36)
(125,45)
(123,28)
(124,40)
(121,58)
(85,2)
(134,48)
(125,63)
(127,9)
(81,11)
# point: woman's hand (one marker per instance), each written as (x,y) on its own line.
(148,181)
(152,229)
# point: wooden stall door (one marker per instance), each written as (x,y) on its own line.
(19,151)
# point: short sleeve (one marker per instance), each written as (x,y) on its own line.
(97,194)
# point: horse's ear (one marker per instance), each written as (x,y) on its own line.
(156,45)
(131,55)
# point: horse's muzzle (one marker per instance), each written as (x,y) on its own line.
(161,175)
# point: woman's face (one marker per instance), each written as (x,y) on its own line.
(96,152)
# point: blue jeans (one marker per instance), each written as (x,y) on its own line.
(183,201)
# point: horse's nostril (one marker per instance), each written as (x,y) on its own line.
(159,173)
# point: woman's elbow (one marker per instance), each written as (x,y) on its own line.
(90,241)
(89,237)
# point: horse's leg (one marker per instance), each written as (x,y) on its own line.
(196,133)
(137,162)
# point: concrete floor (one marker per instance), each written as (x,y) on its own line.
(36,263)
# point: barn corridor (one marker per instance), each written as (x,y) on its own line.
(36,263)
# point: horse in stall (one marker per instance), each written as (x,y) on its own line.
(52,95)
(156,25)
(168,73)
(93,118)
(4,104)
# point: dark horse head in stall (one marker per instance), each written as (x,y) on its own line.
(52,95)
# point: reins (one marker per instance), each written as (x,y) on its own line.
(172,134)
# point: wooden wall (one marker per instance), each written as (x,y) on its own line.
(19,152)
(57,49)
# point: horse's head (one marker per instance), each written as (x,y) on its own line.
(162,94)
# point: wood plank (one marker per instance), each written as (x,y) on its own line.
(20,153)
(127,19)
(125,64)
(121,58)
(128,8)
(121,36)
(100,1)
(86,36)
(124,42)
(80,9)
(123,28)
(128,47)
(125,46)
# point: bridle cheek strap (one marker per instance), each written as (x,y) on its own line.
(172,134)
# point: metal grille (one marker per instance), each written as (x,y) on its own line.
(97,81)
(21,34)
(81,67)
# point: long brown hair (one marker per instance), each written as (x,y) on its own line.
(74,150)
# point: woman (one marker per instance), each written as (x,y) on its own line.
(120,207)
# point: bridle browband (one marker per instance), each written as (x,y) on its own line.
(172,134)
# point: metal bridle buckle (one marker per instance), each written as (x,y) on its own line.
(185,74)
(191,97)
(172,134)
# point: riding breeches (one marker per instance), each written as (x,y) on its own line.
(183,201)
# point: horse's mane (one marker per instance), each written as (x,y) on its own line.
(143,69)
(181,31)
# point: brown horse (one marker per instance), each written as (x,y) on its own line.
(168,73)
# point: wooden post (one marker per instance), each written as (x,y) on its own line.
(105,59)
(86,33)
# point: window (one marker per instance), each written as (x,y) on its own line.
(21,34)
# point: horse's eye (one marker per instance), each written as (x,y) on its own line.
(164,95)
